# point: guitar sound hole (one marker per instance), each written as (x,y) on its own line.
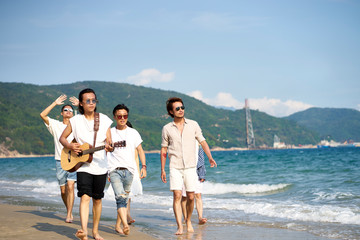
(69,154)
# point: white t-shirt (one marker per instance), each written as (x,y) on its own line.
(83,131)
(124,156)
(56,128)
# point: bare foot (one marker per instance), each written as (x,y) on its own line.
(202,221)
(80,234)
(119,230)
(126,230)
(189,226)
(131,221)
(97,236)
(179,231)
(69,219)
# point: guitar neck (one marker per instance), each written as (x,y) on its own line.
(92,150)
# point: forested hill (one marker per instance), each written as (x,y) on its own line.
(339,124)
(22,129)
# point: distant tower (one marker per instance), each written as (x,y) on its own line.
(250,139)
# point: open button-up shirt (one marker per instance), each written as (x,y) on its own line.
(181,147)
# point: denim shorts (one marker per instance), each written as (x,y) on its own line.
(121,181)
(64,176)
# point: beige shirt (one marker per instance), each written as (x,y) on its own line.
(181,147)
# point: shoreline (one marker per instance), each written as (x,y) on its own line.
(30,222)
(33,222)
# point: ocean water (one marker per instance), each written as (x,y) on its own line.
(316,191)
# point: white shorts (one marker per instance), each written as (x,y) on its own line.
(198,188)
(180,177)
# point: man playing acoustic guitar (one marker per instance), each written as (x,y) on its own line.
(66,180)
(91,128)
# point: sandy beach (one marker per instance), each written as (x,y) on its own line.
(28,222)
(31,207)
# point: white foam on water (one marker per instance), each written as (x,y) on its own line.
(224,188)
(321,196)
(289,210)
(41,186)
(276,209)
(144,199)
(264,207)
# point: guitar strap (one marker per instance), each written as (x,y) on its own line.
(96,125)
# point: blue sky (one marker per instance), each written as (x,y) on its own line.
(284,56)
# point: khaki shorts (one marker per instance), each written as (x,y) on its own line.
(198,188)
(180,177)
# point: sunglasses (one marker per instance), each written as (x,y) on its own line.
(178,108)
(93,101)
(68,110)
(122,116)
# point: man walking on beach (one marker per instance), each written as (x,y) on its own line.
(66,179)
(93,128)
(201,172)
(179,138)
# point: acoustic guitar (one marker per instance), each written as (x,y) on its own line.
(72,161)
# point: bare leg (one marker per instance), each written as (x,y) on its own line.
(70,196)
(199,208)
(183,207)
(123,212)
(130,220)
(97,207)
(189,210)
(63,194)
(118,224)
(177,210)
(84,217)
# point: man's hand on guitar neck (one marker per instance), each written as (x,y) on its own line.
(109,147)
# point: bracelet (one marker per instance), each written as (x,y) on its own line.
(144,166)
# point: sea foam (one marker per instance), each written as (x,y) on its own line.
(41,186)
(289,210)
(224,188)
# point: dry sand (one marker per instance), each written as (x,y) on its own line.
(25,222)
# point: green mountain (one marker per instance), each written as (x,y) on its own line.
(338,124)
(22,129)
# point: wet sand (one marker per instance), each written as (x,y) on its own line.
(30,222)
(27,222)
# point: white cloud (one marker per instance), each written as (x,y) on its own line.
(227,100)
(198,95)
(276,107)
(272,106)
(222,99)
(150,75)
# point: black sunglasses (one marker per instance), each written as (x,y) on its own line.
(178,108)
(93,101)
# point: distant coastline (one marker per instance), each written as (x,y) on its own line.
(15,154)
(25,155)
